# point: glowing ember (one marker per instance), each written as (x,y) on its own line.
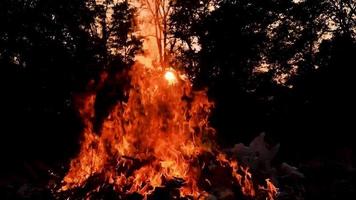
(170,77)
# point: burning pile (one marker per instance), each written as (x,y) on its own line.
(160,135)
(155,134)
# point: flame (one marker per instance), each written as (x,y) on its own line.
(170,77)
(271,190)
(159,134)
(155,135)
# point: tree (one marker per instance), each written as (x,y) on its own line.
(49,51)
(229,37)
(260,51)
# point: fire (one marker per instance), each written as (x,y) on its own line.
(160,134)
(170,77)
(155,135)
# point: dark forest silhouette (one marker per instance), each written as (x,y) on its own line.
(50,51)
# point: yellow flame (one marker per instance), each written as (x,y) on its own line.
(170,77)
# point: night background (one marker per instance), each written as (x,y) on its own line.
(279,67)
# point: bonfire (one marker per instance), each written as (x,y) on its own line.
(159,138)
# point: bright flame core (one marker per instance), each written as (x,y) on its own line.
(170,77)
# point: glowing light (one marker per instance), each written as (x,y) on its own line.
(170,77)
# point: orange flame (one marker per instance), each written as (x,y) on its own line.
(155,134)
(271,190)
(158,134)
